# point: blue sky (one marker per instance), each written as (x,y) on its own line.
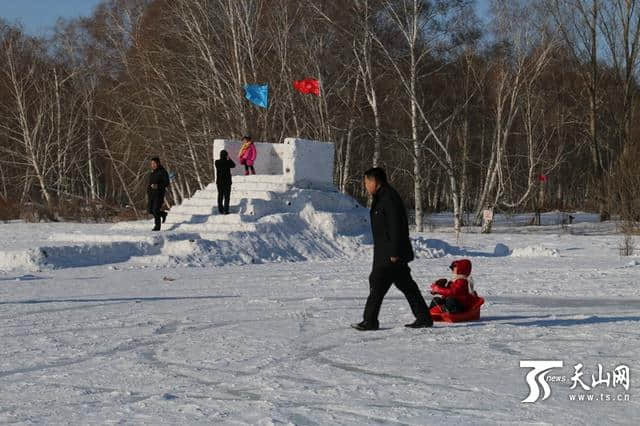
(482,6)
(38,16)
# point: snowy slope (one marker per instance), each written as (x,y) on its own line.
(270,344)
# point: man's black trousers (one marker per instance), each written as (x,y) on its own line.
(381,279)
(155,206)
(224,194)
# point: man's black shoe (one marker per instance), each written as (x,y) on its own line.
(156,229)
(365,326)
(420,323)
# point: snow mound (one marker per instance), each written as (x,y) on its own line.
(424,248)
(26,260)
(534,251)
(501,250)
(270,221)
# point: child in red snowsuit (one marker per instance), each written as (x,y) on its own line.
(458,294)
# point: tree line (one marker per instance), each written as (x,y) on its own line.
(531,107)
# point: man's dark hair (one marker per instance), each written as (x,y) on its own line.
(246,138)
(224,154)
(378,174)
(156,160)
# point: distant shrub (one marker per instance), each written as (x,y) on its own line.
(34,213)
(627,245)
(8,210)
(623,185)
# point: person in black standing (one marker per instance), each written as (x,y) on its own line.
(392,253)
(158,183)
(223,181)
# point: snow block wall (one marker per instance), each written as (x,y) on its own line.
(309,163)
(302,163)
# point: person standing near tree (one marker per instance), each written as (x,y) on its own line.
(223,181)
(158,183)
(392,253)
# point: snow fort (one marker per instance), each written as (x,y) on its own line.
(288,211)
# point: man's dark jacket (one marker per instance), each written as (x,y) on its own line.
(223,171)
(390,228)
(160,178)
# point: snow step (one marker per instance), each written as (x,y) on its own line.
(276,179)
(215,235)
(209,218)
(236,195)
(192,210)
(208,227)
(101,238)
(205,201)
(142,226)
(260,186)
(185,217)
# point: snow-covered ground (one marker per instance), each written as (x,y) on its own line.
(145,342)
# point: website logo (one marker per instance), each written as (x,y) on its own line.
(537,378)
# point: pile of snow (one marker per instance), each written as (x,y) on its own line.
(26,260)
(271,221)
(501,250)
(72,256)
(534,251)
(425,248)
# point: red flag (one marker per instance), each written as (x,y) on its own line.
(307,86)
(542,178)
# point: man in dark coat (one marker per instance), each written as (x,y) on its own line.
(392,253)
(158,183)
(223,181)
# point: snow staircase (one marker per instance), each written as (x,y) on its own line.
(245,190)
(253,199)
(250,197)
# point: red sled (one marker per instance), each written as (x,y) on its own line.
(472,314)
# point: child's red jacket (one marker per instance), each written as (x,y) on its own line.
(459,290)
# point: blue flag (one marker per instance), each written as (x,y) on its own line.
(257,94)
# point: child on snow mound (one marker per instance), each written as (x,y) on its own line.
(458,294)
